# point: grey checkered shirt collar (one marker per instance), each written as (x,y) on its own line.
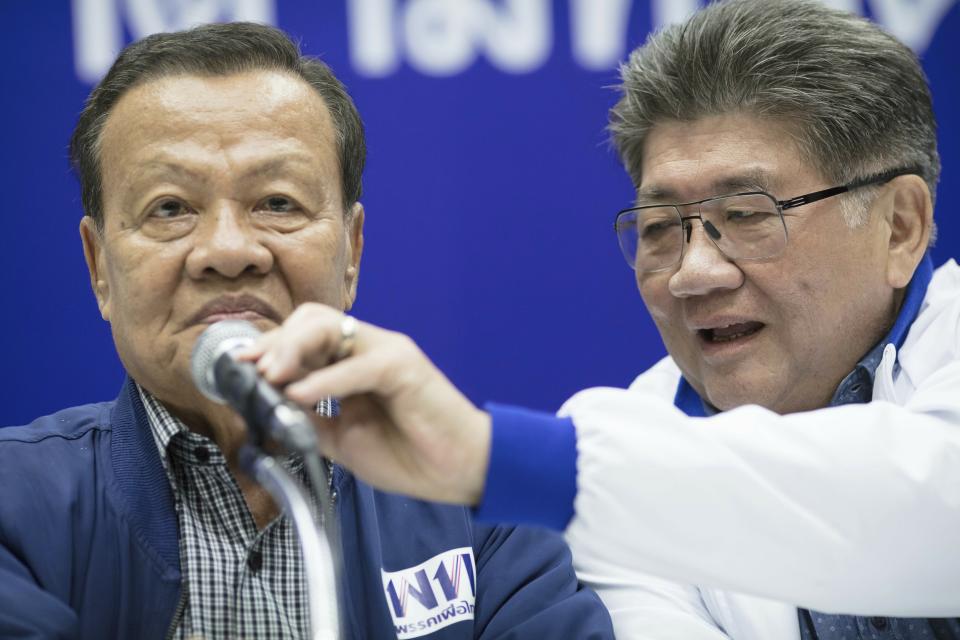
(163,426)
(236,581)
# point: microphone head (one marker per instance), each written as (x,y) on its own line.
(217,339)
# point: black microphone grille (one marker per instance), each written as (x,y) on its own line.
(217,339)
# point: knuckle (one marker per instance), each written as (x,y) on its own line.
(404,345)
(298,314)
(402,359)
(311,315)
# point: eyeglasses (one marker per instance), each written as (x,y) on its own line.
(743,226)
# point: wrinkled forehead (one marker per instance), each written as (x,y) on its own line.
(233,122)
(232,106)
(722,154)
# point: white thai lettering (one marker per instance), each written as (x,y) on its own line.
(443,37)
(373,37)
(599,32)
(98,24)
(665,12)
(912,21)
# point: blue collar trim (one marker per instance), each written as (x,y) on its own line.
(688,401)
(912,301)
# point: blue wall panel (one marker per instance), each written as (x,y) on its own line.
(490,188)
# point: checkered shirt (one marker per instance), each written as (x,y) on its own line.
(237,582)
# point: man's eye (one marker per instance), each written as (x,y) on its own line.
(169,209)
(279,204)
(746,215)
(658,228)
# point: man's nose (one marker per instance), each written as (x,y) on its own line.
(703,267)
(228,244)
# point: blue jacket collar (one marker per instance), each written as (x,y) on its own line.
(690,402)
(141,480)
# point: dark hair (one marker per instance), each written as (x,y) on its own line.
(853,97)
(213,50)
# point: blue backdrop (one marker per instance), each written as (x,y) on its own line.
(490,189)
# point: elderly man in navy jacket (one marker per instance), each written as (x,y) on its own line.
(221,175)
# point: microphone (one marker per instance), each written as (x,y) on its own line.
(225,380)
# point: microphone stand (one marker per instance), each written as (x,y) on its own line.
(269,416)
(318,558)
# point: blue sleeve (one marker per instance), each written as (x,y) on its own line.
(532,476)
(530,589)
(31,607)
(26,610)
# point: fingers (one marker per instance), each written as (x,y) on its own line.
(351,376)
(399,415)
(385,363)
(309,342)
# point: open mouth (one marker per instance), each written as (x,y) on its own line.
(730,332)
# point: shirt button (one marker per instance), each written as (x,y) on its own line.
(202,454)
(878,622)
(255,561)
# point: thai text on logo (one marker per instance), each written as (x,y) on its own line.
(433,594)
(444,38)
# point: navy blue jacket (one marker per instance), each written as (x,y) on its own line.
(89,545)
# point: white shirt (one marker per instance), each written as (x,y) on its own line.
(853,508)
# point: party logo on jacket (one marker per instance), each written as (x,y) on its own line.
(433,594)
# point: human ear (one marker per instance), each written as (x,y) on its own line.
(911,223)
(94,256)
(353,228)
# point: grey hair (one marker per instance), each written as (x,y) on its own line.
(853,98)
(213,50)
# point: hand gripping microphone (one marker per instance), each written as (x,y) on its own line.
(225,380)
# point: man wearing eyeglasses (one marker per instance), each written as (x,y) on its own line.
(792,469)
